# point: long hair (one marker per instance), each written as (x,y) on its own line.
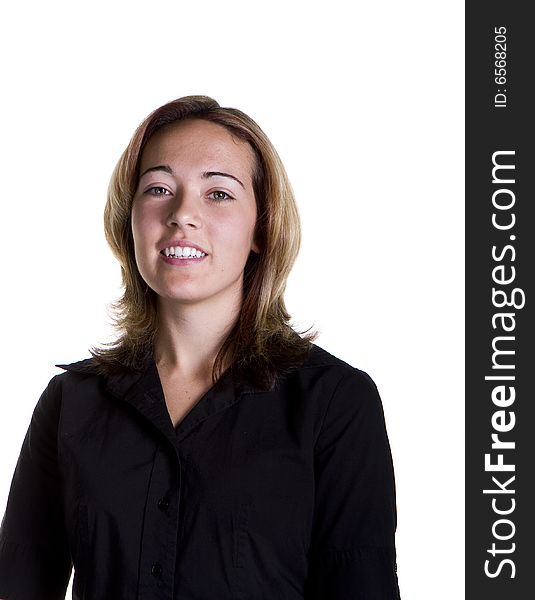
(262,344)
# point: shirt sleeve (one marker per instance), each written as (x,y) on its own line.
(352,552)
(34,552)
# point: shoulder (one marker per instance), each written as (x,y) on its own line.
(324,368)
(346,393)
(334,390)
(48,410)
(350,406)
(53,392)
(78,383)
(82,394)
(73,374)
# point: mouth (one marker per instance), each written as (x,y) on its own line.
(182,259)
(183,253)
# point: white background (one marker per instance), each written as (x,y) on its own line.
(364,103)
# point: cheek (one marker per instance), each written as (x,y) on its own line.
(142,221)
(235,233)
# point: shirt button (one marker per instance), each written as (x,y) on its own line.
(156,570)
(163,503)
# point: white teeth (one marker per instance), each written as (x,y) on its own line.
(185,252)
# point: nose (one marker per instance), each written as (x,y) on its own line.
(185,211)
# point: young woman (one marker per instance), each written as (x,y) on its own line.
(211,452)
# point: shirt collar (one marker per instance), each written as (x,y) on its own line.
(143,391)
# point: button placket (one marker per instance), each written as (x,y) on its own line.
(160,526)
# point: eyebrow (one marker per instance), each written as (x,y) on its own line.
(204,174)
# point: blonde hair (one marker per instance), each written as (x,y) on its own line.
(262,343)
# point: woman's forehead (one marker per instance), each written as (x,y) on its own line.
(194,140)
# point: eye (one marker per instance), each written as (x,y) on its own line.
(220,195)
(158,190)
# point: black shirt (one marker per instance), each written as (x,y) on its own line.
(285,494)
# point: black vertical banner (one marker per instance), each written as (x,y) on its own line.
(500,301)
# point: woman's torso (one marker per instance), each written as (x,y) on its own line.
(220,507)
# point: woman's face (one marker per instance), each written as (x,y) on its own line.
(195,191)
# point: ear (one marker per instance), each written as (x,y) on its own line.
(255,247)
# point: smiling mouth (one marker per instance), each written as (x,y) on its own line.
(182,252)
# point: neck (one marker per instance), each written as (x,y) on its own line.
(190,336)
